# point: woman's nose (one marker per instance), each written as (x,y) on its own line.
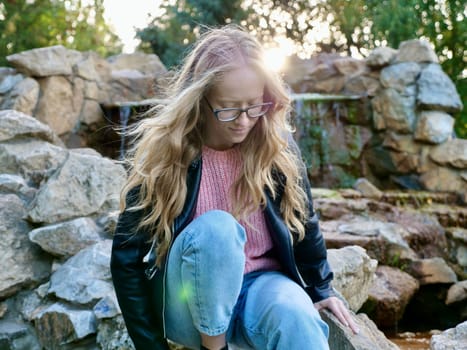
(242,118)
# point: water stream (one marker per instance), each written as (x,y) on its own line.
(124,113)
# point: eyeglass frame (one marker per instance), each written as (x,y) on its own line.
(240,110)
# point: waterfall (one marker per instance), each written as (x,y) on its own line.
(124,113)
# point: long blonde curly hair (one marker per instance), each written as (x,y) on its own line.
(170,138)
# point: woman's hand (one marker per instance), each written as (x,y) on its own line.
(337,307)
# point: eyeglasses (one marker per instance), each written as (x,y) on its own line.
(229,114)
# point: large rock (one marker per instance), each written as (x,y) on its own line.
(394,111)
(23,97)
(336,208)
(45,61)
(15,125)
(14,184)
(457,292)
(436,91)
(369,337)
(17,336)
(9,77)
(434,127)
(66,238)
(399,76)
(367,189)
(23,263)
(112,334)
(423,232)
(353,273)
(416,51)
(362,85)
(92,112)
(433,270)
(107,307)
(381,56)
(383,241)
(149,64)
(451,339)
(444,180)
(84,278)
(85,185)
(130,85)
(33,159)
(389,295)
(350,66)
(453,153)
(56,106)
(60,324)
(86,69)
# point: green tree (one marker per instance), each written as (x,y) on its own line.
(28,24)
(181,22)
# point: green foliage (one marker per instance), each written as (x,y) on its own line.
(181,22)
(26,24)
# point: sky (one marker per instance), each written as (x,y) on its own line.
(125,16)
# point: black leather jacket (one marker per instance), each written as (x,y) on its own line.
(140,286)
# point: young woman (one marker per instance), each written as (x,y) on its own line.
(217,241)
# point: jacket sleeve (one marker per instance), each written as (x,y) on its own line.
(310,253)
(131,285)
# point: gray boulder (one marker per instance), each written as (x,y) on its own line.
(33,159)
(457,292)
(416,51)
(66,238)
(381,56)
(9,77)
(23,97)
(17,336)
(18,125)
(394,111)
(399,76)
(451,339)
(112,334)
(23,263)
(434,127)
(436,90)
(382,241)
(84,278)
(58,106)
(444,179)
(60,324)
(431,271)
(369,337)
(353,274)
(45,61)
(85,185)
(453,153)
(148,64)
(15,184)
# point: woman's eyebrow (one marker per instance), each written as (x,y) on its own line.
(220,99)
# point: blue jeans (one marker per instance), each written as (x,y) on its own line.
(206,291)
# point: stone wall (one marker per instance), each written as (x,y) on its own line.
(66,88)
(401,131)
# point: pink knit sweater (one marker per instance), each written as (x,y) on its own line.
(220,169)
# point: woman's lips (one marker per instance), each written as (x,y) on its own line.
(239,130)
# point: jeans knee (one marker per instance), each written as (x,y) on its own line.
(220,226)
(299,319)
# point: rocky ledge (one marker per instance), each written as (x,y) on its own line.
(57,213)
